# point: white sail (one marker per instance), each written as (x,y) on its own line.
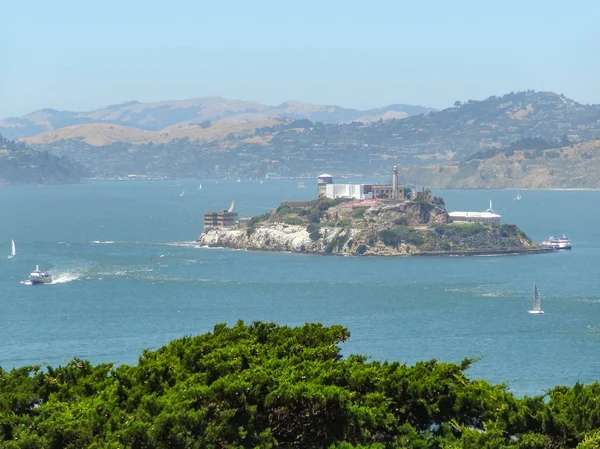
(182,193)
(537,306)
(200,187)
(13,250)
(231,207)
(518,195)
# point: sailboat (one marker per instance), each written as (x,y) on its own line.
(537,307)
(13,250)
(518,197)
(200,187)
(182,193)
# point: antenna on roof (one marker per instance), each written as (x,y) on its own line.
(231,207)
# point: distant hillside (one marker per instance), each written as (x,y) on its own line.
(303,147)
(20,164)
(574,166)
(99,134)
(165,114)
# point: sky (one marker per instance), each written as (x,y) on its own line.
(77,55)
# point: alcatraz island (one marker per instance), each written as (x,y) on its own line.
(368,219)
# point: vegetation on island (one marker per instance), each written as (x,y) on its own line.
(267,386)
(19,164)
(413,226)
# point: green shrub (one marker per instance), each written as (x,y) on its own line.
(359,212)
(315,217)
(361,249)
(294,221)
(396,236)
(344,222)
(268,386)
(315,235)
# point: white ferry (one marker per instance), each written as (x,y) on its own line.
(40,277)
(558,243)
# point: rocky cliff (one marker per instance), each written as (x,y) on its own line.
(368,228)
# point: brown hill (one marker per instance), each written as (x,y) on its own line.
(99,134)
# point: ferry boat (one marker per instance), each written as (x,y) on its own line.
(558,243)
(40,277)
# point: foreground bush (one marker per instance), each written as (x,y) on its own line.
(266,386)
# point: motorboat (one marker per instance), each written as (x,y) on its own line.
(558,243)
(40,277)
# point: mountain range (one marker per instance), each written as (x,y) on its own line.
(166,114)
(471,144)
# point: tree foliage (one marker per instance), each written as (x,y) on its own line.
(264,386)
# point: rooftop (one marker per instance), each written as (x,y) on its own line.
(474,214)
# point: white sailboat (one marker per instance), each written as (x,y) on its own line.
(537,306)
(200,187)
(182,193)
(13,250)
(518,197)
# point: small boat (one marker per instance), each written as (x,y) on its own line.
(239,180)
(13,250)
(182,193)
(200,187)
(300,185)
(261,182)
(537,306)
(518,197)
(40,277)
(558,243)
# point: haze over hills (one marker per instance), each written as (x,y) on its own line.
(165,114)
(20,164)
(574,166)
(251,148)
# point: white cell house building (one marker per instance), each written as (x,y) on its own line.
(352,191)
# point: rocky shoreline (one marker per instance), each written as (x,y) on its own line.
(349,228)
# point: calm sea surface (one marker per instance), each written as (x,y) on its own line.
(147,282)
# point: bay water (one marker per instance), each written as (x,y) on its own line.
(128,276)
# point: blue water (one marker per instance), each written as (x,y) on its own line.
(153,284)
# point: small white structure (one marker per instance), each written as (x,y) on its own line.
(351,191)
(476,217)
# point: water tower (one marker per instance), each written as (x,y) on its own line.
(323,180)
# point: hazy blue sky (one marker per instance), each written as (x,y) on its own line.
(80,55)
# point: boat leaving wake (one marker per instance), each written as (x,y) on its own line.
(59,279)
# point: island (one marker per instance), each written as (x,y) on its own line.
(396,222)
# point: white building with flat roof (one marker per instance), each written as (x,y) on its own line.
(486,217)
(475,217)
(351,191)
